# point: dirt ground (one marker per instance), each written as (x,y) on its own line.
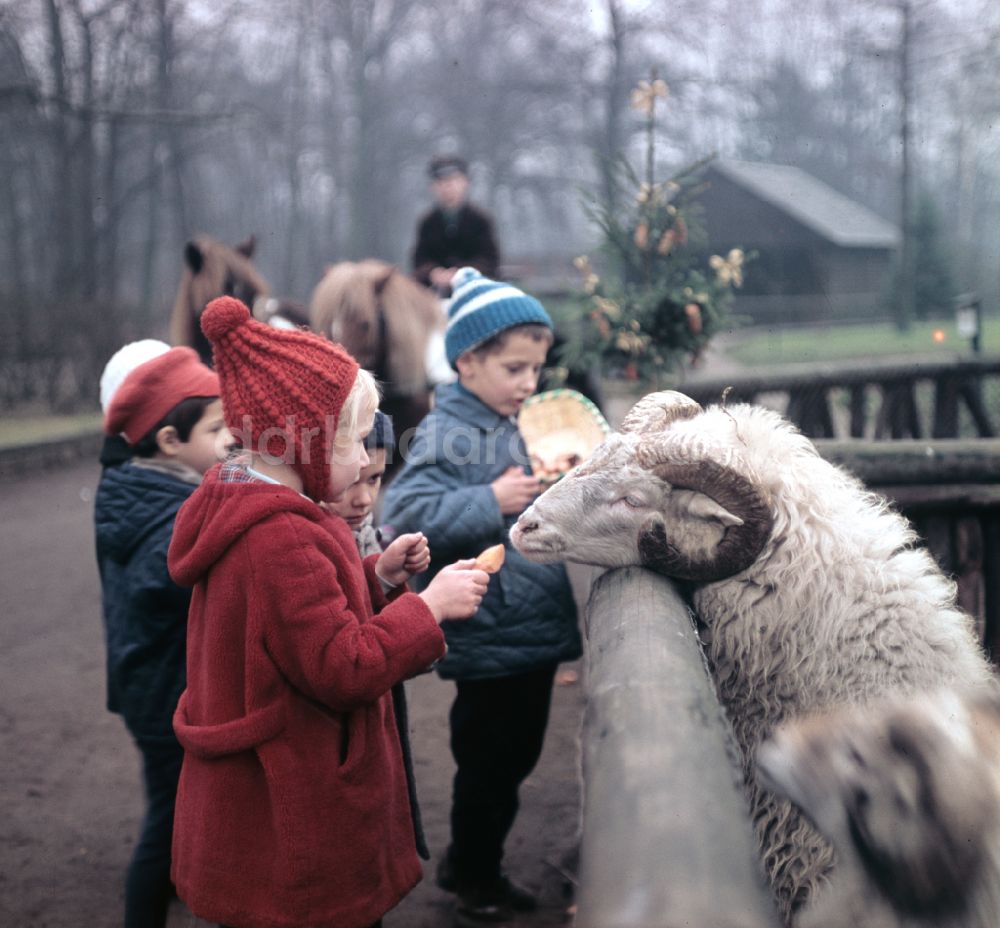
(70,794)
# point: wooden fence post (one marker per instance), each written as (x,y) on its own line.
(666,837)
(946,392)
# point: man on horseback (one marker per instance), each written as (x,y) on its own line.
(454,233)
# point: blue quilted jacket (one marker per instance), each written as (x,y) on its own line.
(528,617)
(145,612)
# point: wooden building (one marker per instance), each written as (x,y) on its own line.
(820,256)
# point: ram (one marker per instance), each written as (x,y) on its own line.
(809,590)
(908,792)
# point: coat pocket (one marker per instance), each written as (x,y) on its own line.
(232,737)
(341,737)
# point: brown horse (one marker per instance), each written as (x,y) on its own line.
(213,269)
(386,320)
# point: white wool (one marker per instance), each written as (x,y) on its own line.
(853,612)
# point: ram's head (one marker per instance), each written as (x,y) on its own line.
(667,498)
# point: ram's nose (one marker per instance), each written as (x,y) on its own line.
(526,525)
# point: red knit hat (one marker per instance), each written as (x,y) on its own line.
(286,382)
(154,388)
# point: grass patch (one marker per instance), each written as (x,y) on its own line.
(760,347)
(27,430)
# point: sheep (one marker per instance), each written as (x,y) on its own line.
(809,590)
(908,792)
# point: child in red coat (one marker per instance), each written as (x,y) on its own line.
(292,808)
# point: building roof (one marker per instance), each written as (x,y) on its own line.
(817,206)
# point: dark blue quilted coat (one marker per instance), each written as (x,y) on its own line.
(145,612)
(528,616)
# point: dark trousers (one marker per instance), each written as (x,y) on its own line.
(497,730)
(148,889)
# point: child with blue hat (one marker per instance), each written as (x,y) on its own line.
(465,481)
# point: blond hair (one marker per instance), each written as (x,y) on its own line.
(359,407)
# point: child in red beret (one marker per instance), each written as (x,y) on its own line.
(168,413)
(293,808)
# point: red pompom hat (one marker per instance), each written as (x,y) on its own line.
(282,389)
(154,388)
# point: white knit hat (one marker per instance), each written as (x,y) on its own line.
(125,360)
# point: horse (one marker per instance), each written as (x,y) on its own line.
(389,323)
(213,269)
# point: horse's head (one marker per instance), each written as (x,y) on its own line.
(213,269)
(346,307)
(385,319)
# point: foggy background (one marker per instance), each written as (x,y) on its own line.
(129,126)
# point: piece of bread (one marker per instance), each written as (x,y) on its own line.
(491,560)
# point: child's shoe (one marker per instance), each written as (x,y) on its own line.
(445,875)
(518,898)
(486,901)
(481,905)
(493,901)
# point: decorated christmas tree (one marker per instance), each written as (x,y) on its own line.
(659,302)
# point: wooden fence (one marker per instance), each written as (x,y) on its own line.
(950,491)
(666,840)
(881,398)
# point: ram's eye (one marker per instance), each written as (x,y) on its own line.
(633,502)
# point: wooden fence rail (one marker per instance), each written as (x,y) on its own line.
(881,396)
(666,838)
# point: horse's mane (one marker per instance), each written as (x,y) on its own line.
(220,267)
(345,307)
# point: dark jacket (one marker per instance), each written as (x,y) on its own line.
(293,807)
(528,617)
(145,612)
(468,240)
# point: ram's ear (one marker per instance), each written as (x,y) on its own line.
(689,554)
(683,462)
(704,507)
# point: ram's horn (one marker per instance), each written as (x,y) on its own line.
(655,411)
(689,465)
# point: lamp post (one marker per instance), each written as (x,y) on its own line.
(969,319)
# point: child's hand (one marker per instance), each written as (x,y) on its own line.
(457,591)
(406,556)
(515,490)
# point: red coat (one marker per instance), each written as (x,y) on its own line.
(292,808)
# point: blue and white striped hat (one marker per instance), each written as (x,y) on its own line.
(481,308)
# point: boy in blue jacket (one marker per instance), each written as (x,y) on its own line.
(466,479)
(168,411)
